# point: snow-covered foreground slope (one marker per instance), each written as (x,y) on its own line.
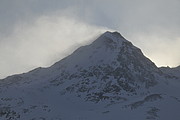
(109,79)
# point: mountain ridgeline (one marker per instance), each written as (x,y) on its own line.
(109,72)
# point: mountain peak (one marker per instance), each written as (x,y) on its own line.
(110,38)
(115,34)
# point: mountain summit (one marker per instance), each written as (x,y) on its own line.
(104,80)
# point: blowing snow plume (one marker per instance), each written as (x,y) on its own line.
(42,42)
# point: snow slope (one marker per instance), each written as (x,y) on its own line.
(109,79)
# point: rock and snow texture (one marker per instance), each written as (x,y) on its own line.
(109,79)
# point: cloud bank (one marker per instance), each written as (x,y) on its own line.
(37,33)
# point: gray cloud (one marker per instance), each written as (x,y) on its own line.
(43,25)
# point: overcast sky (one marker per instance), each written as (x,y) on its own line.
(40,32)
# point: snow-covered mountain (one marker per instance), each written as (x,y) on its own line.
(109,79)
(171,71)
